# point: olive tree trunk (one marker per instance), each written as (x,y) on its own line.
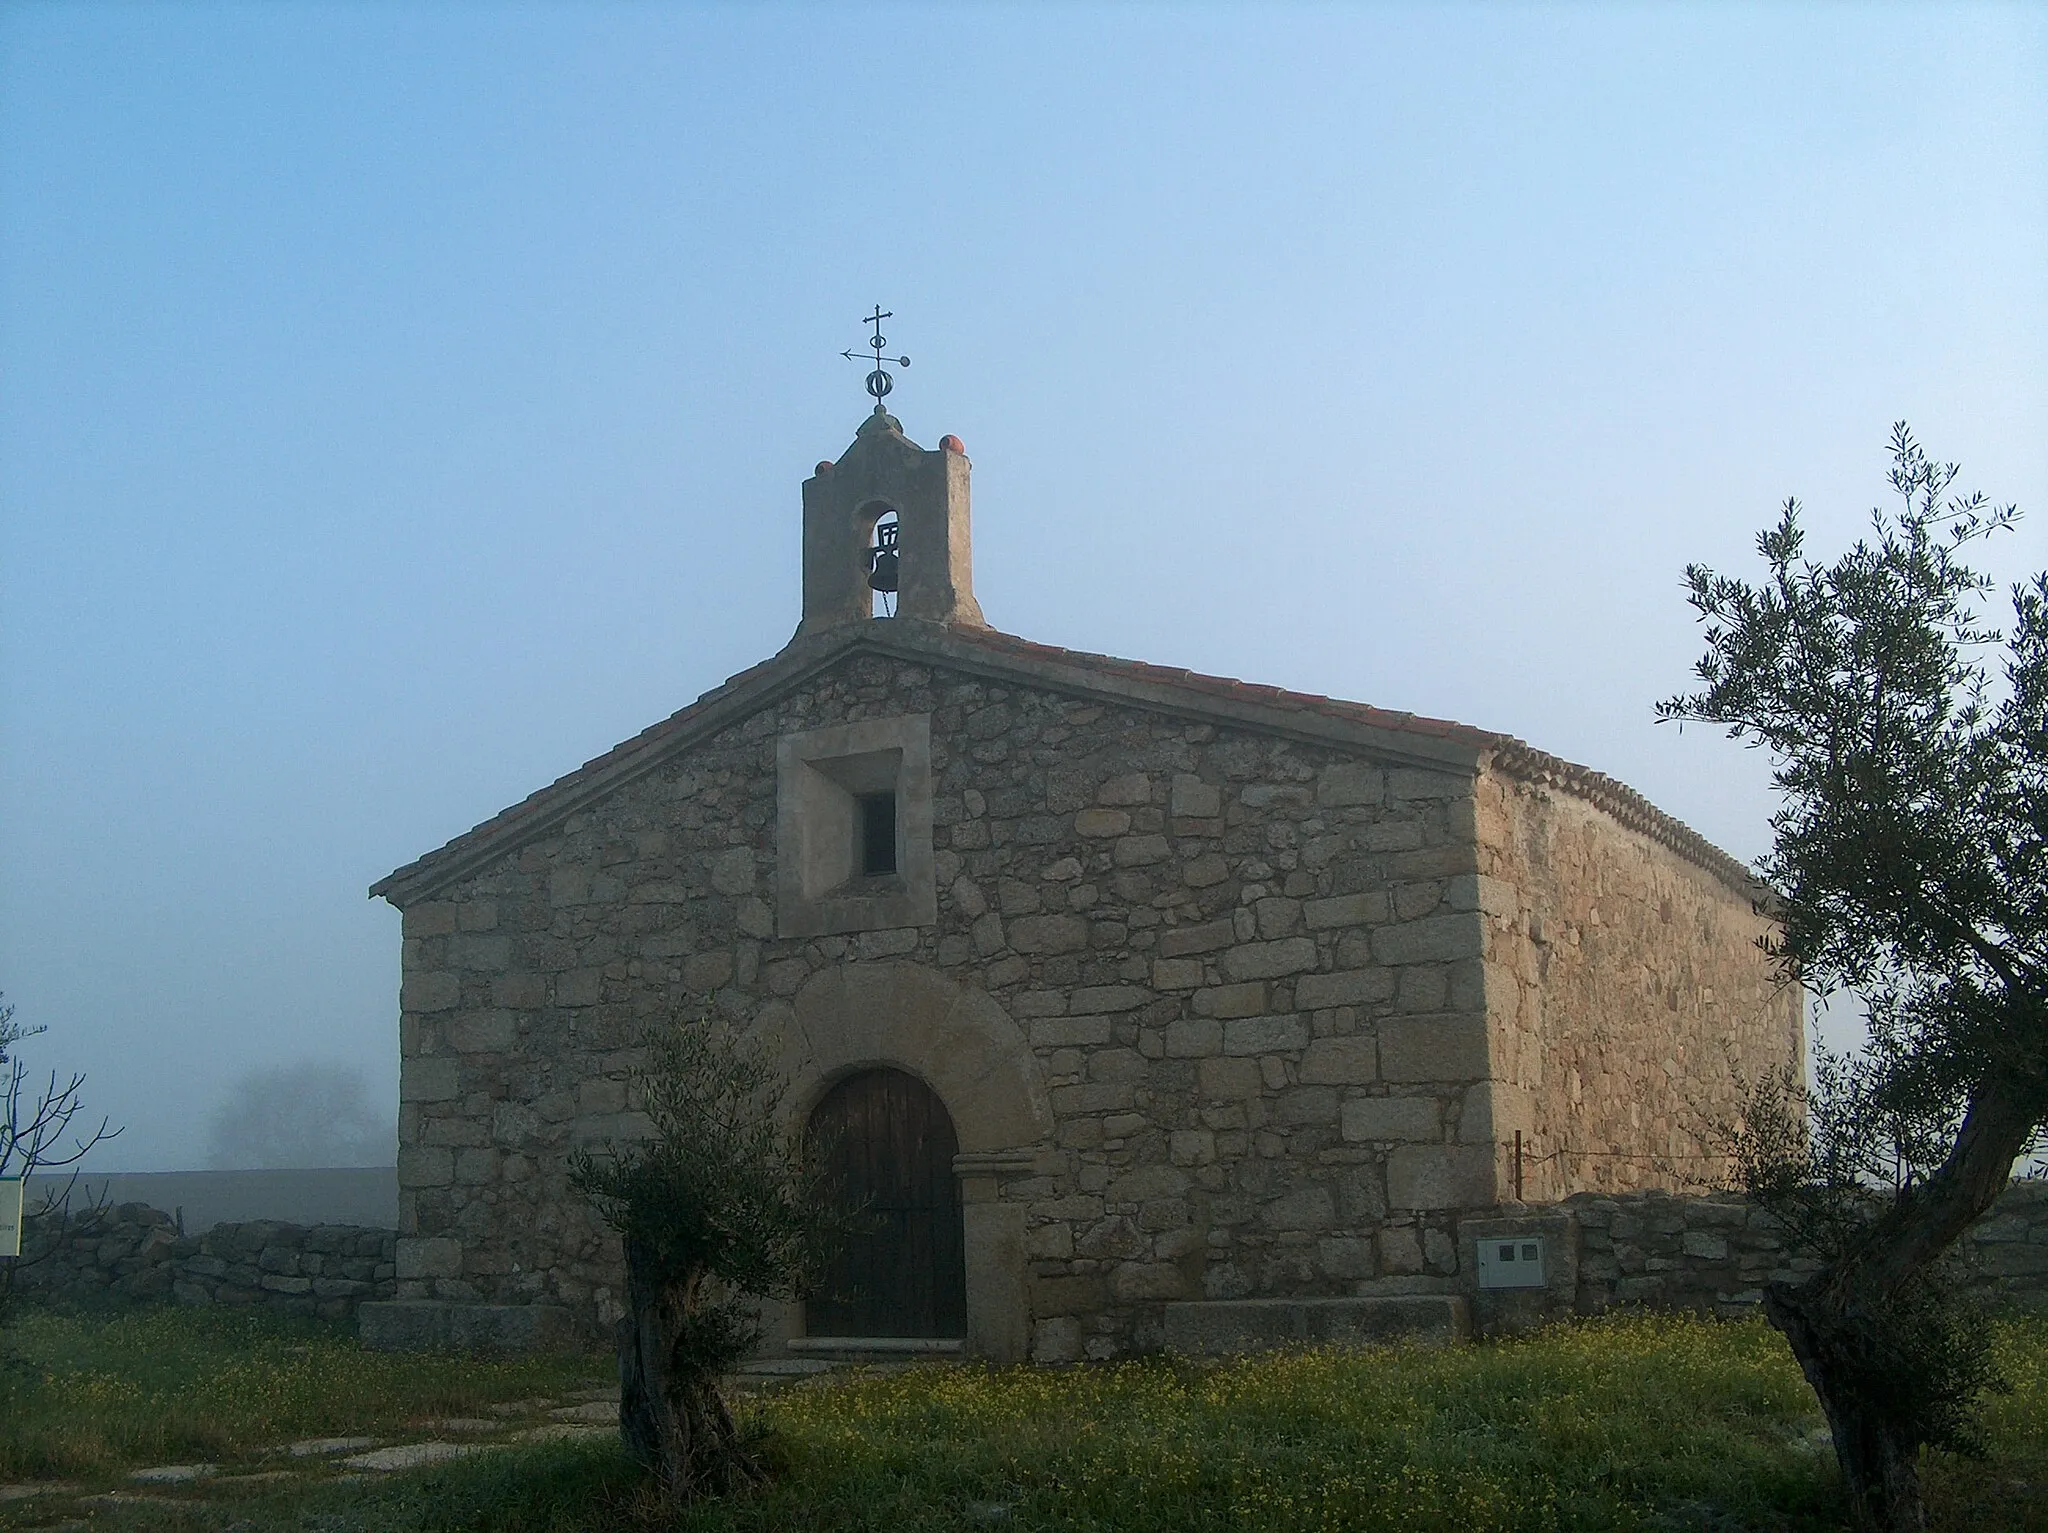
(1838,1321)
(671,1416)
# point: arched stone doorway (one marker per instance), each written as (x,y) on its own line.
(888,1147)
(959,1042)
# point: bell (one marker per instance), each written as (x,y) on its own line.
(882,577)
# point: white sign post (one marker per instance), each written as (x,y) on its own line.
(10,1216)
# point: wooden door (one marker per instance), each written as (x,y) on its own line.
(888,1145)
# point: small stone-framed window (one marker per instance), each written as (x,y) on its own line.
(877,834)
(853,809)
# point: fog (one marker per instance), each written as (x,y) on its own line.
(401,405)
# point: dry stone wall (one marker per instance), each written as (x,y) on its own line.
(132,1253)
(1715,1254)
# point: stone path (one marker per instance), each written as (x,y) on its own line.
(589,1413)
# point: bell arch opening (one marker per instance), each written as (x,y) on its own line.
(887,1146)
(881,535)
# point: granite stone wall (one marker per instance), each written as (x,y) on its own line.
(1631,1005)
(132,1253)
(1250,973)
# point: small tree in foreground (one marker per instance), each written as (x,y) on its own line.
(36,1135)
(716,1210)
(1912,872)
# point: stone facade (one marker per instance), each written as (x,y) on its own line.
(1231,994)
(132,1253)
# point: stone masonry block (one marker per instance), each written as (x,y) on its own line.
(1102,823)
(1340,1062)
(1177,973)
(1229,1079)
(480,950)
(1049,934)
(1440,1176)
(521,992)
(433,919)
(732,871)
(1352,987)
(1142,851)
(1413,782)
(432,990)
(425,1166)
(1194,1038)
(1210,937)
(1194,799)
(1226,1001)
(1369,908)
(1132,788)
(1475,891)
(1270,960)
(1103,998)
(1069,1032)
(483,1032)
(432,1079)
(1448,1046)
(1265,1035)
(1433,939)
(1373,1118)
(1348,783)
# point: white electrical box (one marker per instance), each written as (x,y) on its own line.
(1511,1261)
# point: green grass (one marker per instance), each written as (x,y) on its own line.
(1617,1424)
(84,1394)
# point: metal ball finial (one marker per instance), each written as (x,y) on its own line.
(879,380)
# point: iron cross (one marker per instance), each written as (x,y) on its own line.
(879,381)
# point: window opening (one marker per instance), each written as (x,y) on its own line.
(877,833)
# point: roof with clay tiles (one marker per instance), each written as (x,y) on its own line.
(1422,740)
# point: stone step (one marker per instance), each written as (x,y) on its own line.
(879,1349)
(1220,1328)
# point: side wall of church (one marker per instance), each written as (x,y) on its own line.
(1629,996)
(1248,969)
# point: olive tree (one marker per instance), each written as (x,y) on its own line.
(717,1209)
(1909,743)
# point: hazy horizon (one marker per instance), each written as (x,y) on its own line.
(401,406)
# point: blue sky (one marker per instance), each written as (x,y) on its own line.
(401,404)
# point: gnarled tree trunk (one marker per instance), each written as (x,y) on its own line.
(1879,1460)
(671,1416)
(1837,1321)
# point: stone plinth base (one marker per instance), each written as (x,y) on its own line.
(419,1325)
(1253,1325)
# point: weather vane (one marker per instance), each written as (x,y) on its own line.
(879,381)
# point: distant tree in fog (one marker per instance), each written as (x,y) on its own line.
(294,1116)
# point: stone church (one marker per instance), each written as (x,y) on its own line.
(1149,1008)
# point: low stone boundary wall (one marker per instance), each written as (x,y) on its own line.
(1717,1253)
(1712,1254)
(132,1253)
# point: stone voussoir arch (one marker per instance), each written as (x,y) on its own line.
(956,1039)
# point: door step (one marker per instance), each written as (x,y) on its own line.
(877,1349)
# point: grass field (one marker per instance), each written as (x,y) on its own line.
(1618,1424)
